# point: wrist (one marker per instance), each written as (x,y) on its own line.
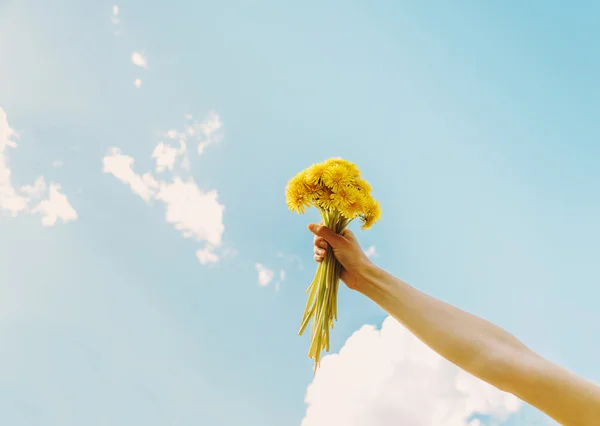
(367,277)
(377,284)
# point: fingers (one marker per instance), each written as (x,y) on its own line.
(320,242)
(320,247)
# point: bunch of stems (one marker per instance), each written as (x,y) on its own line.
(322,292)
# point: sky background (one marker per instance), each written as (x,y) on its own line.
(144,230)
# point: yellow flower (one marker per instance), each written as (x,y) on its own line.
(353,205)
(313,191)
(325,200)
(342,196)
(353,170)
(372,214)
(314,173)
(296,194)
(336,177)
(363,185)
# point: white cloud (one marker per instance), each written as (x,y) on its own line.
(208,131)
(121,166)
(115,16)
(388,377)
(137,83)
(57,164)
(139,59)
(9,198)
(55,207)
(195,213)
(281,279)
(371,252)
(37,189)
(265,275)
(166,155)
(205,256)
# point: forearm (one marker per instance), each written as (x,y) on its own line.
(473,344)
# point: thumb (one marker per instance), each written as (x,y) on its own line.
(322,231)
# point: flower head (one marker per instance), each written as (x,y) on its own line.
(372,213)
(336,177)
(334,184)
(314,174)
(296,193)
(353,171)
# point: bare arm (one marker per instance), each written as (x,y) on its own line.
(484,350)
(473,344)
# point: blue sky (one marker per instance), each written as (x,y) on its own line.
(129,277)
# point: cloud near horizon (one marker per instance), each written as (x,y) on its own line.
(387,377)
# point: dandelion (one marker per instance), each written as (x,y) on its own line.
(336,188)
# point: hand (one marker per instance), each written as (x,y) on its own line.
(346,249)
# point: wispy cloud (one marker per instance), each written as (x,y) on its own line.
(115,19)
(371,252)
(291,258)
(206,256)
(115,15)
(166,155)
(265,275)
(139,59)
(412,385)
(137,83)
(29,199)
(193,212)
(208,131)
(121,167)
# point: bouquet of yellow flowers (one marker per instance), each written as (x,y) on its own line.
(336,188)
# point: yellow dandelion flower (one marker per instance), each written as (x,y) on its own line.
(325,200)
(363,186)
(297,201)
(372,214)
(296,194)
(353,205)
(353,170)
(314,174)
(336,177)
(313,191)
(343,196)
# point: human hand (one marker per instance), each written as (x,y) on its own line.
(346,250)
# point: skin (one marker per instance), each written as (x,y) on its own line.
(473,344)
